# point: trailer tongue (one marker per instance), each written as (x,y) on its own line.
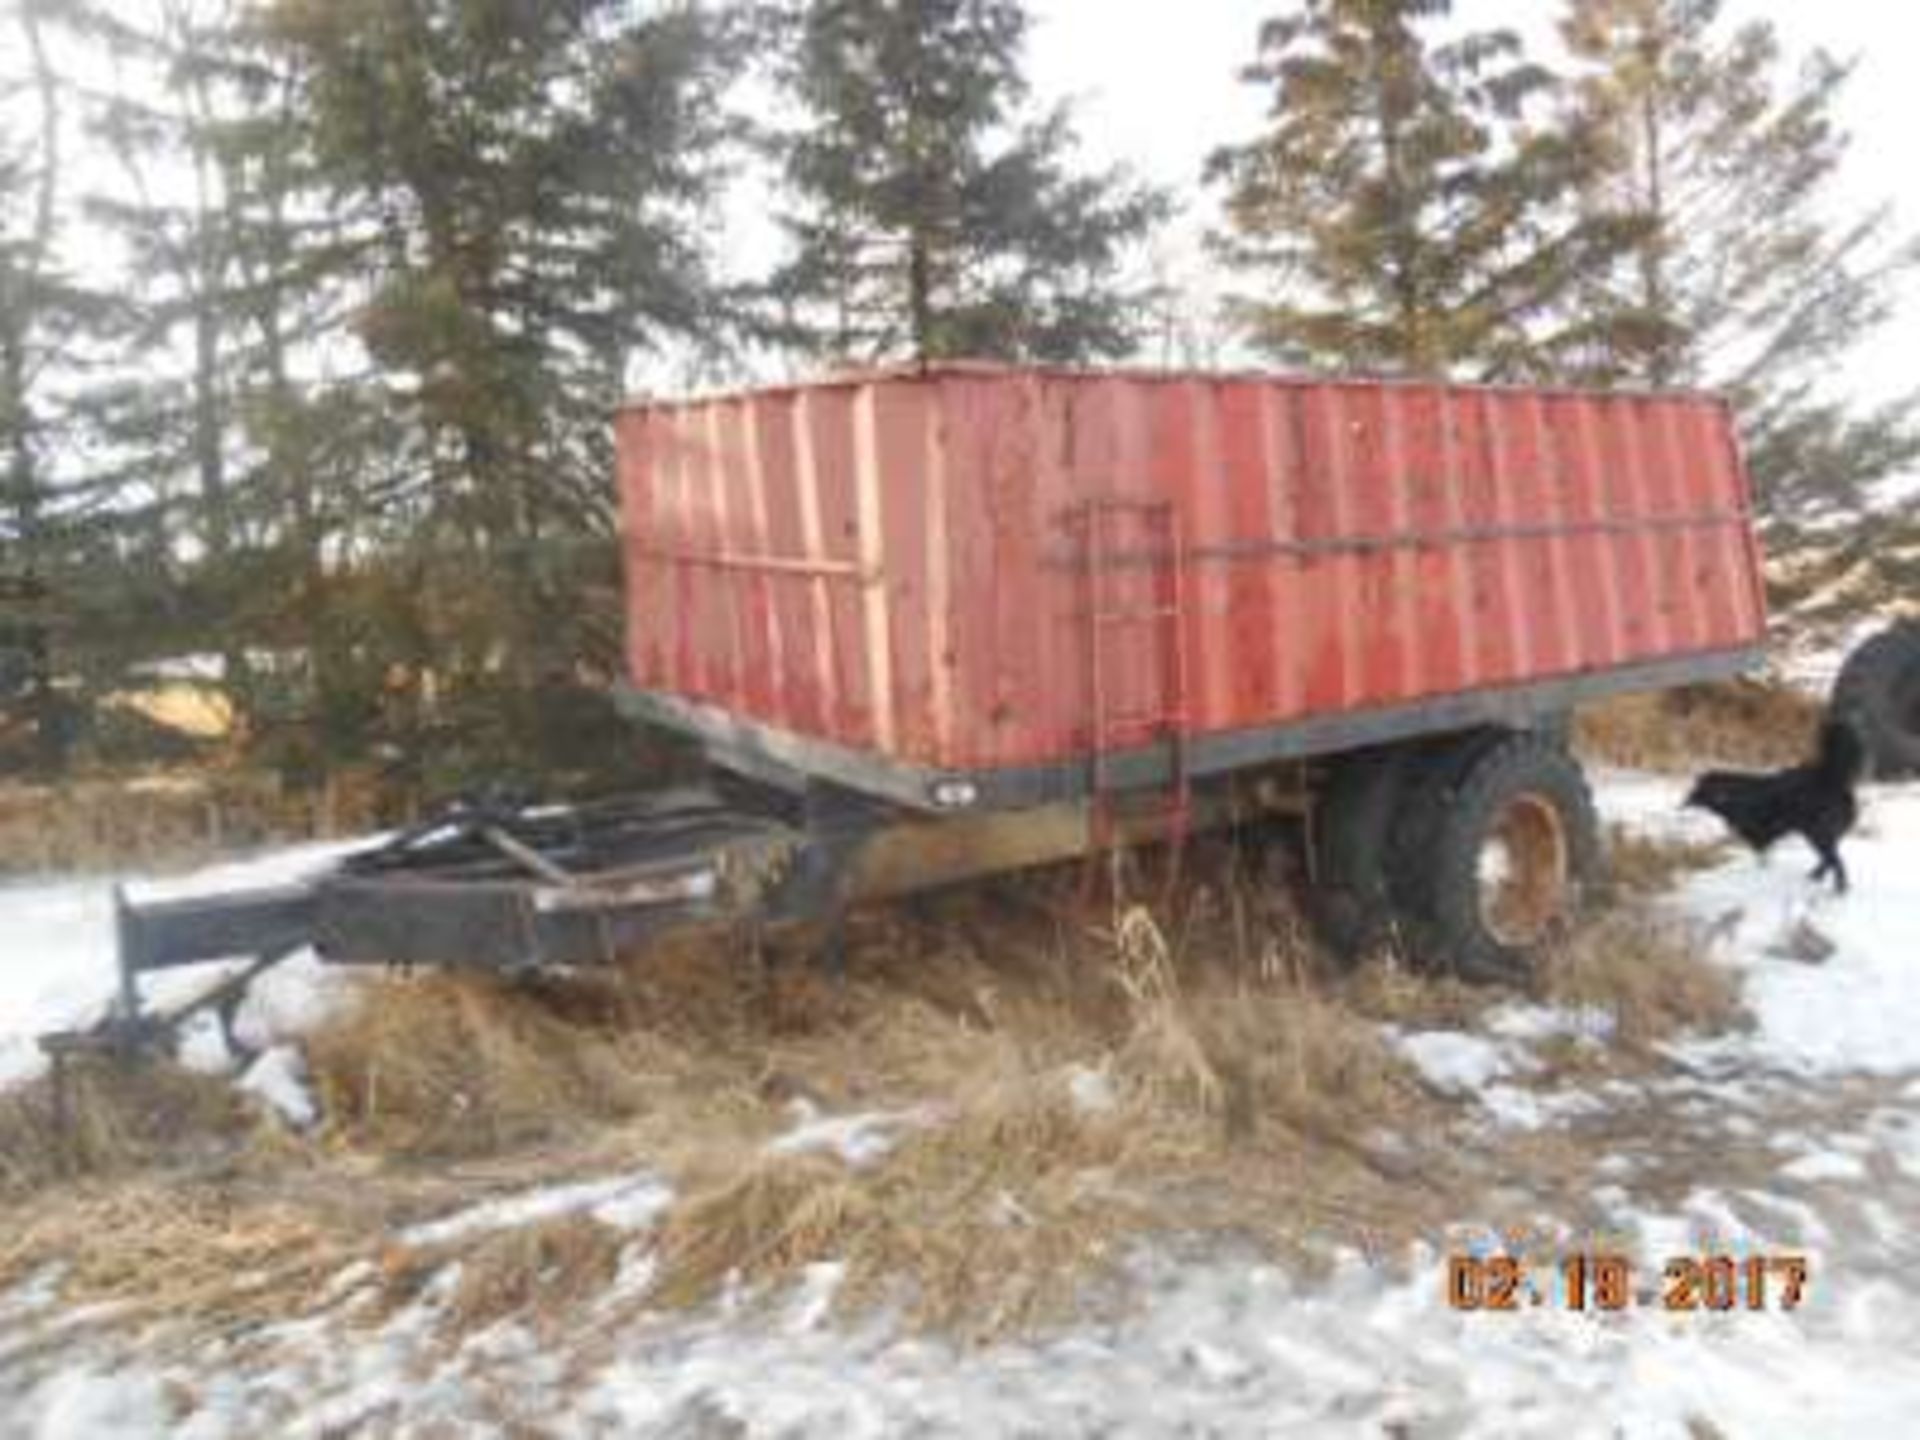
(485,886)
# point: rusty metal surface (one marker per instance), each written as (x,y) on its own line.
(890,563)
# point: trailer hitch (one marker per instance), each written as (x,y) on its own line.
(487,884)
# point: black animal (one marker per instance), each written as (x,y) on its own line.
(1814,800)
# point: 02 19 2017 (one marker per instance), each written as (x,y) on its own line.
(1604,1282)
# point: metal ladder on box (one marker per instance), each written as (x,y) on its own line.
(1165,558)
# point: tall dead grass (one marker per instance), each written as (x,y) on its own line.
(1024,1186)
(1763,724)
(1652,973)
(1073,1085)
(165,1250)
(120,1118)
(441,1065)
(1639,864)
(163,820)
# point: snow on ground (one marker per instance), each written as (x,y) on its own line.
(1454,1062)
(57,957)
(1825,1091)
(1860,1009)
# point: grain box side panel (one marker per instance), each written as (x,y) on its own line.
(1714,585)
(1104,446)
(1652,581)
(905,425)
(1151,441)
(1430,515)
(679,482)
(1146,646)
(632,462)
(1590,574)
(728,582)
(1219,657)
(1735,553)
(1526,456)
(757,664)
(692,534)
(1055,626)
(824,422)
(1254,566)
(799,603)
(1380,663)
(1019,708)
(1324,623)
(1282,449)
(767,651)
(1481,511)
(965,528)
(1704,594)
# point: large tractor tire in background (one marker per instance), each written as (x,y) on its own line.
(1878,690)
(1493,853)
(1347,898)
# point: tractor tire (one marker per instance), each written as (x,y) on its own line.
(1878,689)
(1493,855)
(1424,801)
(1348,898)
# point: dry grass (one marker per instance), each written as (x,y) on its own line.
(1386,989)
(997,1214)
(1639,864)
(167,1250)
(447,1065)
(988,1221)
(1234,1084)
(1240,1091)
(163,821)
(121,1118)
(542,1272)
(1740,722)
(1652,973)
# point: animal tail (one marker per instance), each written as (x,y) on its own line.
(1842,756)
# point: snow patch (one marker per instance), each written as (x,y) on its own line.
(82,1403)
(1536,1023)
(626,1202)
(1819,1165)
(279,1079)
(1090,1090)
(857,1139)
(1452,1061)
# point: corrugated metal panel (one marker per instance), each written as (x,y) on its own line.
(893,562)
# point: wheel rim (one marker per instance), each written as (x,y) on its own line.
(1524,872)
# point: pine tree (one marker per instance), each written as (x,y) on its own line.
(166,419)
(34,299)
(1407,209)
(46,319)
(937,217)
(1747,276)
(519,192)
(200,538)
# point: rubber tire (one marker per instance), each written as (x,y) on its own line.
(1424,803)
(1437,852)
(1349,899)
(1878,689)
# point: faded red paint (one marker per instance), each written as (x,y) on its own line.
(892,561)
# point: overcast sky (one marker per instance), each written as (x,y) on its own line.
(1154,81)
